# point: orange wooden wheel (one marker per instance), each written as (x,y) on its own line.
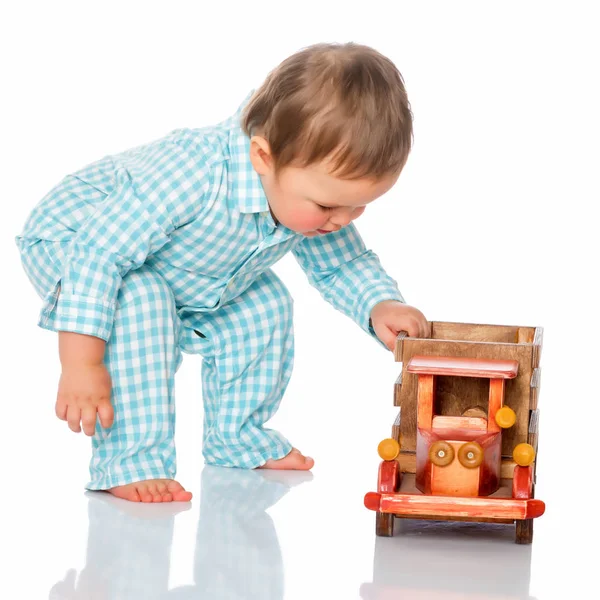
(470,455)
(505,417)
(524,454)
(441,453)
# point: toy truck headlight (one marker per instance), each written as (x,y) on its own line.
(470,455)
(388,449)
(524,454)
(441,453)
(505,417)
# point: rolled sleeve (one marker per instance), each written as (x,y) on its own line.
(79,315)
(347,275)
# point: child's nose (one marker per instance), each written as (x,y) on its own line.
(342,217)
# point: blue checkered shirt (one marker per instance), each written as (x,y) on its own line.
(191,206)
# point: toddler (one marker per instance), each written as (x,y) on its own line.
(168,247)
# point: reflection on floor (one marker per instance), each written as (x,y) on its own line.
(435,560)
(237,552)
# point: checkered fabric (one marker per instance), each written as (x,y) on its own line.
(186,214)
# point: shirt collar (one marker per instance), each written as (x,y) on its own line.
(245,184)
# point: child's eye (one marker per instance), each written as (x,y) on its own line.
(324,207)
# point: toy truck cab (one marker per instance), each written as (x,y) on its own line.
(466,453)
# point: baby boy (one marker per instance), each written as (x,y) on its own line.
(168,247)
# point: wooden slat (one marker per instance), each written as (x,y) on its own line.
(525,335)
(399,346)
(455,394)
(534,389)
(474,332)
(495,403)
(425,401)
(466,423)
(462,519)
(538,340)
(532,436)
(397,389)
(416,505)
(463,367)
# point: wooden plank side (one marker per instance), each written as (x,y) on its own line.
(398,390)
(534,391)
(474,332)
(534,424)
(501,508)
(399,346)
(496,401)
(425,386)
(532,436)
(454,400)
(538,339)
(525,335)
(463,367)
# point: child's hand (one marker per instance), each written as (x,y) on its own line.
(390,317)
(83,392)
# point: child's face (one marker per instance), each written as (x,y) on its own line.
(311,201)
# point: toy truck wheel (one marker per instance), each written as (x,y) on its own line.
(384,524)
(524,533)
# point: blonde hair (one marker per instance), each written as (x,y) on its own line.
(341,102)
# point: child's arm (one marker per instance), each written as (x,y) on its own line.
(146,196)
(351,278)
(85,385)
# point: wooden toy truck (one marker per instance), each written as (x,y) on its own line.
(464,444)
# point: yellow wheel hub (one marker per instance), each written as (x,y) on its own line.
(388,449)
(505,417)
(524,454)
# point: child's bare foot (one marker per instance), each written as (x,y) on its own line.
(152,490)
(295,461)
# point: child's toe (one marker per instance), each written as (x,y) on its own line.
(153,491)
(178,493)
(144,492)
(165,495)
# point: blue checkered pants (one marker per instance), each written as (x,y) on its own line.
(247,351)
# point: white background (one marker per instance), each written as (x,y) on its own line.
(492,221)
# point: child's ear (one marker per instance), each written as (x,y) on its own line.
(260,155)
